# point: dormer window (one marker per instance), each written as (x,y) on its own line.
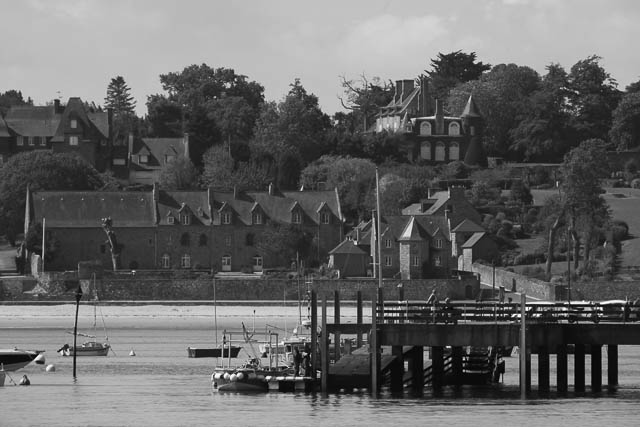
(226,218)
(387,243)
(325,218)
(256,218)
(170,220)
(296,218)
(439,243)
(143,158)
(73,140)
(73,124)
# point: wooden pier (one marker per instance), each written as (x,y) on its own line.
(405,330)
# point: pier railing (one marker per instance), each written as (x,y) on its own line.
(499,312)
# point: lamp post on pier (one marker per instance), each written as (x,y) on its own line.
(75,327)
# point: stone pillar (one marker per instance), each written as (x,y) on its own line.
(596,367)
(578,356)
(612,365)
(397,369)
(561,373)
(437,367)
(543,368)
(456,364)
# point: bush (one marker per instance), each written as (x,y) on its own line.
(635,183)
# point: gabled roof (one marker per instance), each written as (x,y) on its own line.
(4,130)
(27,120)
(413,232)
(348,247)
(468,226)
(82,209)
(473,240)
(156,148)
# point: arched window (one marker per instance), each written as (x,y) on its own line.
(202,240)
(166,261)
(226,263)
(425,150)
(454,151)
(425,128)
(439,152)
(454,129)
(185,261)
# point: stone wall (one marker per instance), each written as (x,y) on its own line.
(514,282)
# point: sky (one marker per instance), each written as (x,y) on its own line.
(63,48)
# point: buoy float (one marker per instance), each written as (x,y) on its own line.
(50,368)
(40,359)
(226,376)
(233,378)
(132,353)
(240,376)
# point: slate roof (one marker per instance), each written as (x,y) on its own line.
(350,248)
(4,130)
(27,120)
(156,149)
(471,109)
(413,232)
(278,206)
(468,226)
(473,240)
(82,209)
(170,203)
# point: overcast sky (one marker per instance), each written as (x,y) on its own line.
(64,48)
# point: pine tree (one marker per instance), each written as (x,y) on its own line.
(119,99)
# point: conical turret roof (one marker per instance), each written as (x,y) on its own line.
(471,109)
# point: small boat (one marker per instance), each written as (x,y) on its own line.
(14,358)
(250,377)
(88,348)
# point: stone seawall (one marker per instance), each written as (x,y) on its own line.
(514,282)
(194,286)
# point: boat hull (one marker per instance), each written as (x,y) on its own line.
(214,352)
(88,349)
(14,359)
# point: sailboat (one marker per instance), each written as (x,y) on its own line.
(91,347)
(224,350)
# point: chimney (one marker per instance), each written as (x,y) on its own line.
(425,98)
(398,94)
(357,235)
(407,87)
(235,192)
(271,189)
(130,145)
(439,118)
(185,142)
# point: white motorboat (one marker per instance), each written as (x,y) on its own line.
(14,358)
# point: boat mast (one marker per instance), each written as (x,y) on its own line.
(215,313)
(379,231)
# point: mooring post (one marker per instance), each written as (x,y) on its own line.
(373,345)
(324,352)
(336,320)
(612,365)
(359,318)
(561,372)
(456,364)
(578,358)
(314,334)
(596,367)
(523,346)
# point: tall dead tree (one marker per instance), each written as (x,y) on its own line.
(112,242)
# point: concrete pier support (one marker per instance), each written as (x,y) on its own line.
(456,364)
(397,369)
(416,367)
(543,369)
(359,317)
(437,367)
(578,356)
(336,320)
(612,365)
(596,367)
(562,369)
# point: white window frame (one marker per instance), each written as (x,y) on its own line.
(185,219)
(73,124)
(166,261)
(226,262)
(185,261)
(119,162)
(387,243)
(168,159)
(388,261)
(74,140)
(143,158)
(171,220)
(439,243)
(416,261)
(257,261)
(226,217)
(325,218)
(296,218)
(256,218)
(20,141)
(32,141)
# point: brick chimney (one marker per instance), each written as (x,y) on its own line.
(439,118)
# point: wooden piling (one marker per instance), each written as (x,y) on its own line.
(596,367)
(612,365)
(523,346)
(562,369)
(397,369)
(437,367)
(373,346)
(543,369)
(336,320)
(359,317)
(324,351)
(578,360)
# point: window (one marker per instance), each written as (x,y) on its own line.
(119,162)
(226,218)
(387,261)
(73,140)
(73,124)
(439,243)
(248,239)
(166,261)
(454,151)
(437,261)
(257,261)
(185,261)
(20,141)
(43,140)
(185,239)
(425,128)
(143,158)
(202,240)
(387,243)
(454,129)
(32,140)
(185,219)
(440,152)
(227,241)
(256,218)
(226,263)
(325,217)
(425,150)
(169,159)
(416,261)
(296,218)
(170,220)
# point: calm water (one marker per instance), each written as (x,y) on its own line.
(161,386)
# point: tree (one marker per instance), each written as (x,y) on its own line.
(451,69)
(625,129)
(12,98)
(40,170)
(364,97)
(281,243)
(180,174)
(123,105)
(233,116)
